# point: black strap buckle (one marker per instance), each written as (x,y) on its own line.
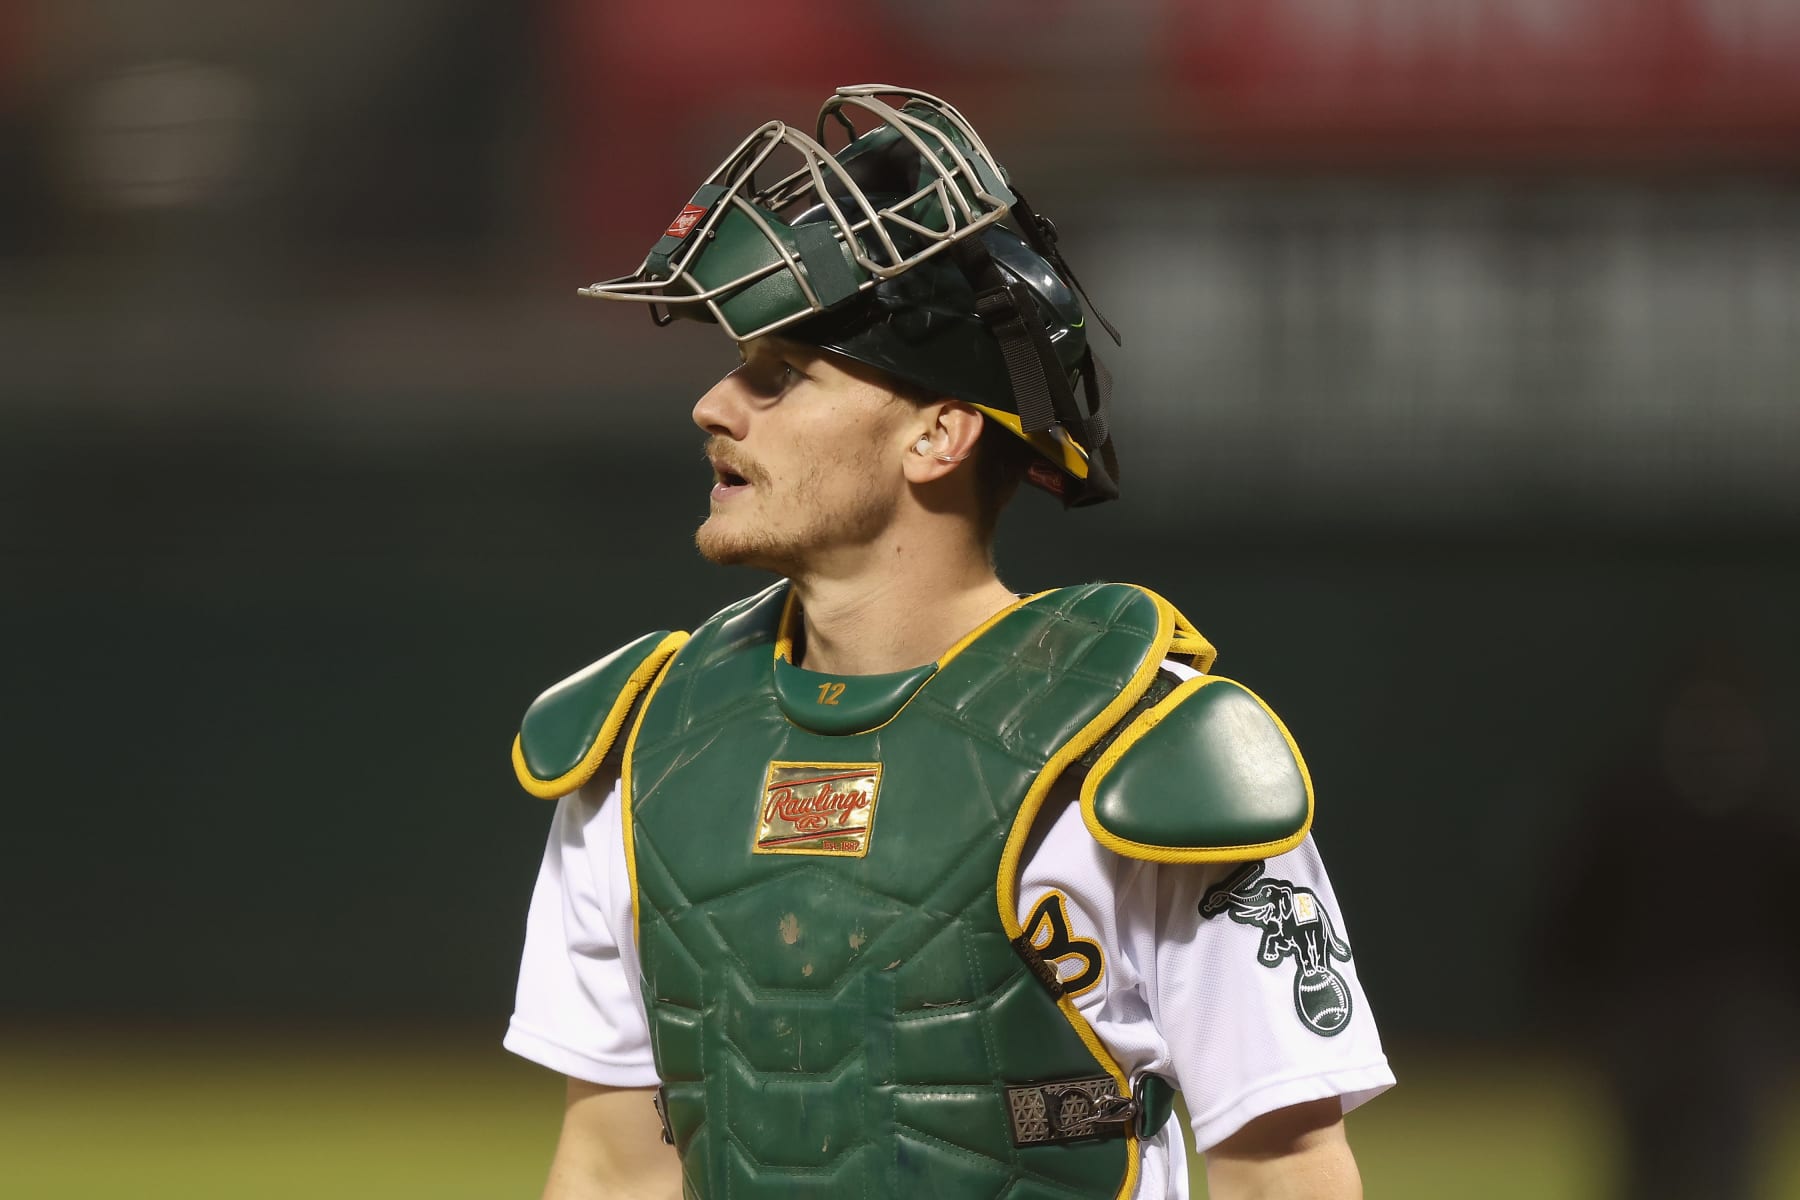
(1068,1110)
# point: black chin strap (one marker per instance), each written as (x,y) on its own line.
(1103,461)
(1041,391)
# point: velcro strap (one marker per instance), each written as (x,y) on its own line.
(831,278)
(1041,392)
(1000,309)
(1068,1110)
(1099,397)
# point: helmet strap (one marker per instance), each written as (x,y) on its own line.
(1040,386)
(1040,232)
(1102,482)
(1010,314)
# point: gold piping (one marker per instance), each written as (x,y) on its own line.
(1145,722)
(784,644)
(625,797)
(784,629)
(968,639)
(1191,642)
(581,772)
(1006,889)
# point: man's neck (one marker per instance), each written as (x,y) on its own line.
(896,615)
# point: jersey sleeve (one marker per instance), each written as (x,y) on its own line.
(577,1009)
(1252,981)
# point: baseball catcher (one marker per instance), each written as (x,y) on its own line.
(887,881)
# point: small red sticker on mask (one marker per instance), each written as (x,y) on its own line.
(1047,477)
(684,224)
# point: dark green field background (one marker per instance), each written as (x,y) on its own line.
(259,708)
(1463,415)
(266,869)
(210,1116)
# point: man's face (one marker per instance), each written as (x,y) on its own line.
(806,458)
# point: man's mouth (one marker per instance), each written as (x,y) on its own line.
(727,482)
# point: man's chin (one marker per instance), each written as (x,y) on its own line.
(734,548)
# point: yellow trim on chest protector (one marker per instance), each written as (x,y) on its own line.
(1006,889)
(1208,774)
(569,730)
(998,715)
(1200,772)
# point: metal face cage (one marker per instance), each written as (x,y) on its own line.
(909,187)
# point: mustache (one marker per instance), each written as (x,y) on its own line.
(721,451)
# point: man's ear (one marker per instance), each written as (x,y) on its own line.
(943,439)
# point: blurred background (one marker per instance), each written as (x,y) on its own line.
(1457,405)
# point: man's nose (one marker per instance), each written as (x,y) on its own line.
(722,409)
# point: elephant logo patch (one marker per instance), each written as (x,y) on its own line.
(1294,925)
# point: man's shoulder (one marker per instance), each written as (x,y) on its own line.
(1168,630)
(1199,769)
(1187,766)
(572,726)
(1203,773)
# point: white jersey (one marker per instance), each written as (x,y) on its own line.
(1236,983)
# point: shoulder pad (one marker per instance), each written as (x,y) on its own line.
(568,730)
(1207,774)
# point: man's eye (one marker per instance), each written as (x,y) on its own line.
(776,378)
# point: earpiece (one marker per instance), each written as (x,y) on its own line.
(924,447)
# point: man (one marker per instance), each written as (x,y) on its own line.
(885,881)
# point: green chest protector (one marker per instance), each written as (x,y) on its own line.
(841,999)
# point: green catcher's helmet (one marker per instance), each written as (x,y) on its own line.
(892,252)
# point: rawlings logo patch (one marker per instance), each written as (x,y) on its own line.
(684,223)
(1294,924)
(818,808)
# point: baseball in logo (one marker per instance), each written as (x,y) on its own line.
(1294,925)
(818,808)
(684,222)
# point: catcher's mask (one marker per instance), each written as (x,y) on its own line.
(891,251)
